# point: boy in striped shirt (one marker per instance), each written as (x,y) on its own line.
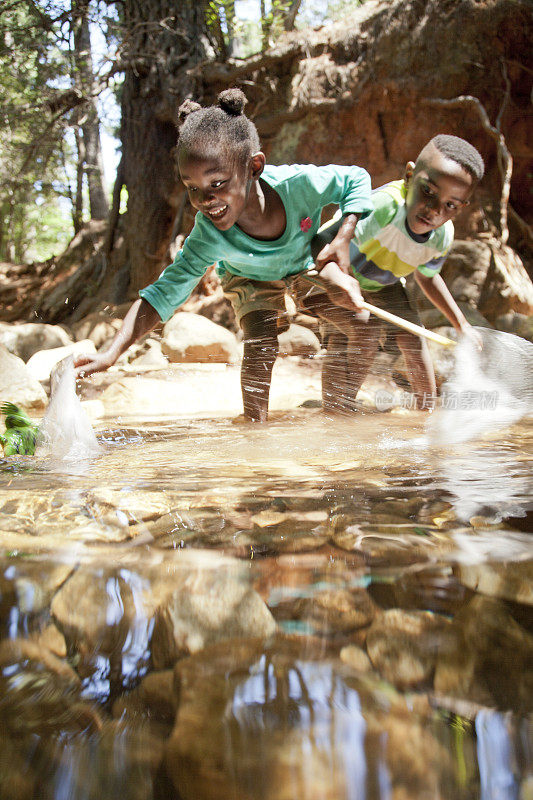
(409,231)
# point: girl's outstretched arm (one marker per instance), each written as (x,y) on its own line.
(140,319)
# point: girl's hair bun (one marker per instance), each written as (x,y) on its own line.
(186,108)
(232,101)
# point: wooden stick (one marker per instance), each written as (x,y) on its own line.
(409,326)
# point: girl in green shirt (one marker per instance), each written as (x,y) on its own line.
(256,222)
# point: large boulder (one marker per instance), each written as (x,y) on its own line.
(484,275)
(23,340)
(298,341)
(99,327)
(42,363)
(517,324)
(191,337)
(18,385)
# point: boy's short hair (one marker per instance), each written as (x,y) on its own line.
(460,151)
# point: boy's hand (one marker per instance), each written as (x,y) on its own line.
(472,334)
(343,290)
(85,365)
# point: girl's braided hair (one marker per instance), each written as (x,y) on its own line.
(224,125)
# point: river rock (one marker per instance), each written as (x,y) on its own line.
(487,276)
(507,286)
(212,393)
(30,585)
(98,327)
(104,614)
(518,324)
(206,608)
(282,532)
(25,339)
(153,699)
(191,337)
(335,610)
(433,318)
(152,356)
(42,363)
(356,658)
(18,385)
(134,505)
(403,645)
(488,658)
(19,651)
(298,341)
(267,720)
(512,580)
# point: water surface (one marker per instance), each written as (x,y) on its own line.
(319,609)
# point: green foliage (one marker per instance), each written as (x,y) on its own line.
(32,150)
(20,436)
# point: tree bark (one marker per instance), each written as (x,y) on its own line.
(164,40)
(94,165)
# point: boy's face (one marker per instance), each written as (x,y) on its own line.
(217,186)
(437,189)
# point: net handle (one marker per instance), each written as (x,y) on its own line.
(418,330)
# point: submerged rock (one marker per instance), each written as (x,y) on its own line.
(334,611)
(205,609)
(404,645)
(489,658)
(276,721)
(511,580)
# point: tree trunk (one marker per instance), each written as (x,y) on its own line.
(94,165)
(77,210)
(165,40)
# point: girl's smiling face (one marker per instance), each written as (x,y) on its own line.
(218,188)
(437,189)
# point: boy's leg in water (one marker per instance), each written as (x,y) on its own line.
(334,371)
(420,372)
(260,332)
(349,356)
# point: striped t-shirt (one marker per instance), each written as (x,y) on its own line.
(383,248)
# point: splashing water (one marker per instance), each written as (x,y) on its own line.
(488,390)
(66,433)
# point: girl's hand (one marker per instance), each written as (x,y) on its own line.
(343,290)
(86,364)
(338,250)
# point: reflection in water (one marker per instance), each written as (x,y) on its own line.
(487,480)
(312,699)
(295,611)
(496,757)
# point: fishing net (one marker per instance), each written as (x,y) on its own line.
(488,389)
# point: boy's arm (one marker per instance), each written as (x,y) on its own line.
(140,319)
(338,250)
(436,290)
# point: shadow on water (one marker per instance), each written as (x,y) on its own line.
(318,609)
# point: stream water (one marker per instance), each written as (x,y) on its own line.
(311,610)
